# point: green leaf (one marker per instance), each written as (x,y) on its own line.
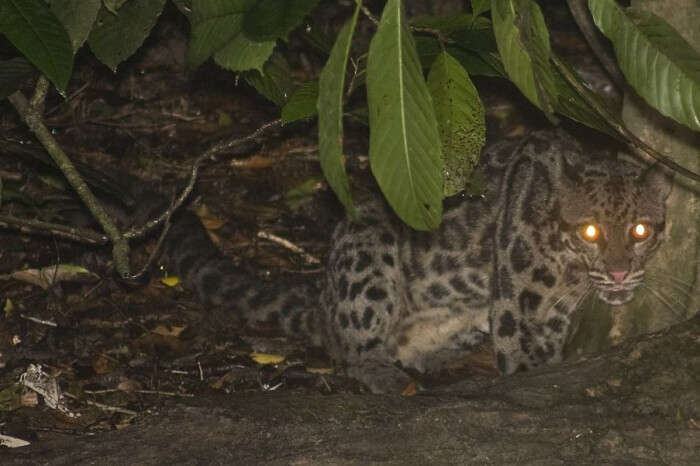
(301,194)
(523,42)
(330,114)
(273,19)
(479,38)
(40,36)
(13,72)
(242,54)
(302,103)
(184,7)
(474,45)
(77,17)
(658,63)
(215,23)
(479,63)
(404,146)
(275,82)
(461,121)
(480,6)
(474,62)
(116,37)
(470,32)
(428,48)
(113,5)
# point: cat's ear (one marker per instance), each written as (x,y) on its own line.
(571,166)
(658,180)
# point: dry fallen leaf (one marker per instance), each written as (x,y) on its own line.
(168,330)
(170,281)
(410,389)
(48,276)
(266,358)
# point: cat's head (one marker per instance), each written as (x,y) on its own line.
(614,220)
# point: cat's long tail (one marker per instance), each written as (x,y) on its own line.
(286,304)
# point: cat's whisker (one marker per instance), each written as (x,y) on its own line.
(681,282)
(676,287)
(570,293)
(585,294)
(664,300)
(670,278)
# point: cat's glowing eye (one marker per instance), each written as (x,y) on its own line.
(590,232)
(641,231)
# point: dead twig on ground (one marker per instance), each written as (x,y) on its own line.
(308,258)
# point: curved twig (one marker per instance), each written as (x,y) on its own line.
(164,218)
(582,16)
(636,144)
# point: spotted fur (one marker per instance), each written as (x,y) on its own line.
(511,265)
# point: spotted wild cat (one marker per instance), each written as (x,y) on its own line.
(551,227)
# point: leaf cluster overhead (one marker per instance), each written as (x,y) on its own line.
(425,135)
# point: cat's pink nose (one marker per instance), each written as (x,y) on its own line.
(618,275)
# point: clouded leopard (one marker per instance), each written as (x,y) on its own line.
(551,227)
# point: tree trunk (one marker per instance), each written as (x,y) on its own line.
(675,296)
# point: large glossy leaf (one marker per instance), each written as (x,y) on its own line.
(40,36)
(275,82)
(77,17)
(480,6)
(523,42)
(214,24)
(404,148)
(13,72)
(242,54)
(461,121)
(479,63)
(658,63)
(273,19)
(113,5)
(478,37)
(330,114)
(116,37)
(474,62)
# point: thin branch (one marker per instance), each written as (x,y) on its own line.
(215,149)
(368,13)
(442,39)
(227,144)
(30,113)
(102,406)
(308,258)
(32,116)
(636,144)
(164,218)
(37,227)
(582,16)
